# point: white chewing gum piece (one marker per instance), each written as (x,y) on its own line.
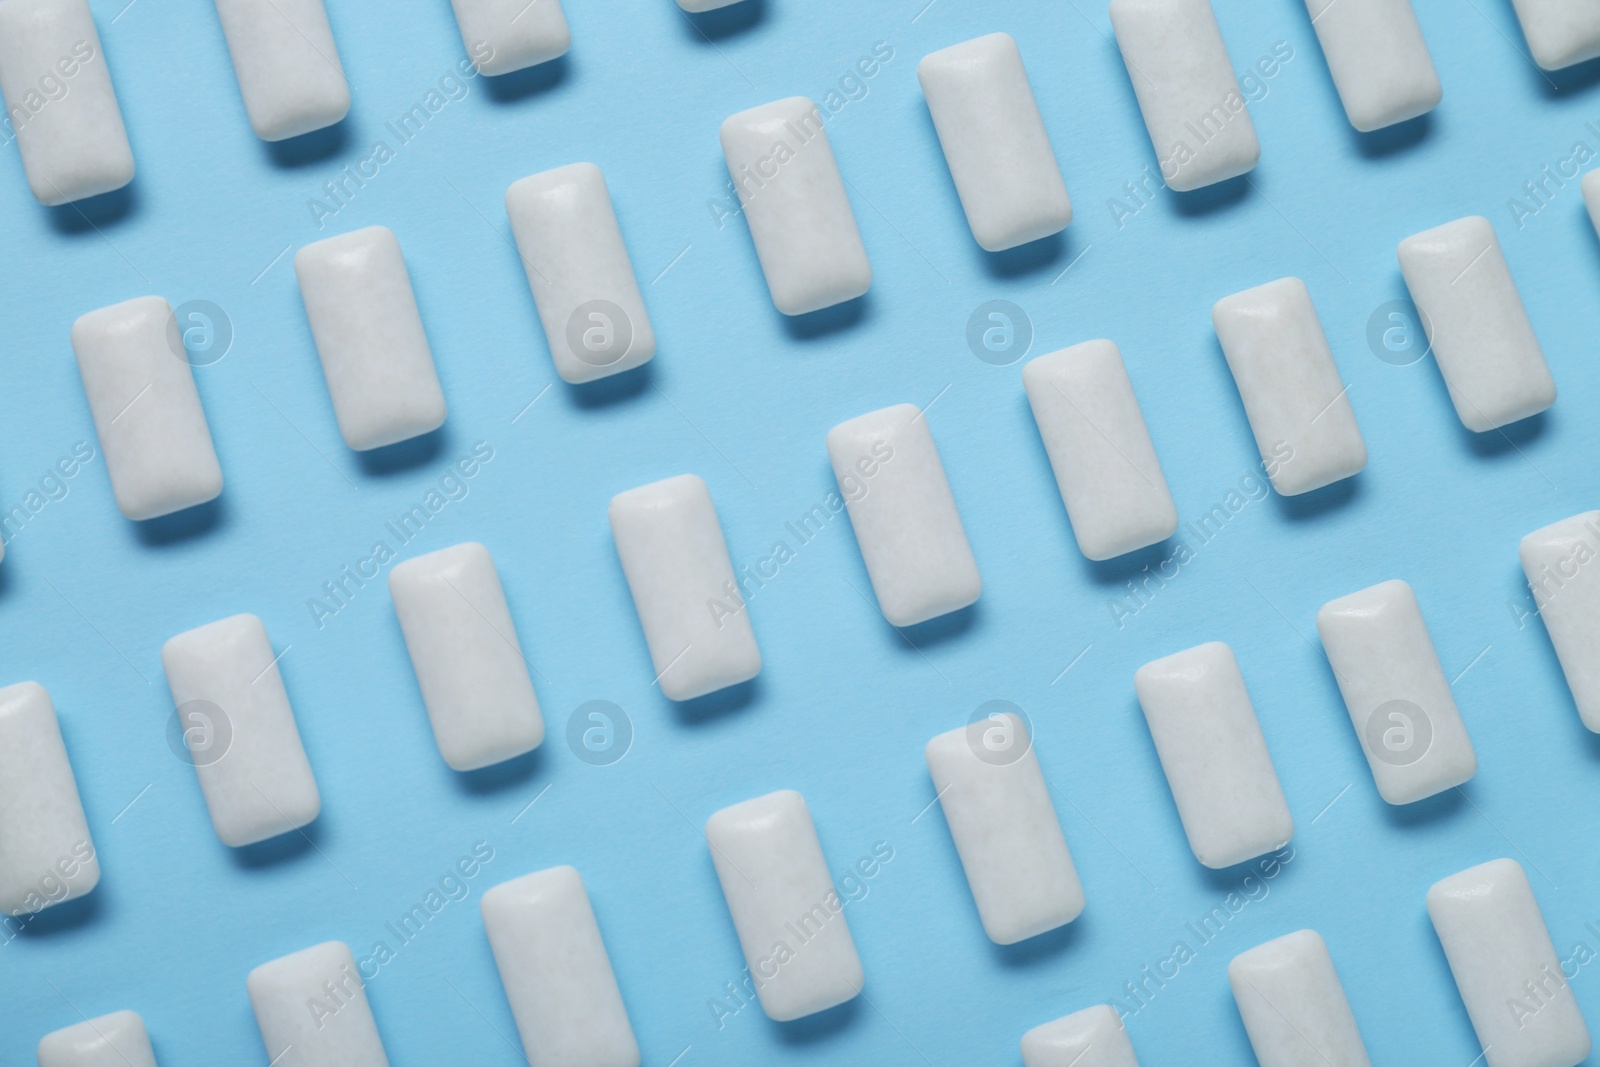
(342,1035)
(46,854)
(695,7)
(507,35)
(1100,449)
(670,542)
(906,523)
(370,339)
(1293,1006)
(1093,1037)
(240,730)
(1560,33)
(146,410)
(1193,109)
(781,897)
(997,805)
(1396,693)
(578,268)
(72,146)
(1591,196)
(556,973)
(1506,968)
(115,1040)
(1290,386)
(464,649)
(994,141)
(1475,320)
(1379,61)
(1559,561)
(287,65)
(1214,755)
(793,198)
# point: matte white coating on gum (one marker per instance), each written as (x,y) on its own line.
(1293,1006)
(1005,829)
(240,730)
(1562,565)
(312,1010)
(1281,363)
(1560,33)
(995,142)
(795,203)
(1475,321)
(905,518)
(556,973)
(115,1040)
(578,268)
(370,339)
(46,854)
(287,65)
(1396,693)
(468,661)
(1193,110)
(1093,1037)
(73,144)
(1506,968)
(146,409)
(789,918)
(695,622)
(1214,755)
(502,36)
(1379,61)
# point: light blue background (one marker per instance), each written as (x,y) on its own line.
(743,398)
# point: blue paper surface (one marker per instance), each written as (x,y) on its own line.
(743,397)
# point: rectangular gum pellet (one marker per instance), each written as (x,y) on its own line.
(312,1010)
(1591,196)
(46,854)
(1184,81)
(369,336)
(998,808)
(1379,61)
(1506,968)
(115,1040)
(995,142)
(240,731)
(789,918)
(670,542)
(1396,693)
(1293,1005)
(73,143)
(1560,33)
(468,662)
(1298,408)
(793,198)
(1093,1037)
(507,35)
(578,268)
(146,410)
(1100,449)
(906,523)
(1560,562)
(1214,755)
(1475,320)
(287,65)
(556,973)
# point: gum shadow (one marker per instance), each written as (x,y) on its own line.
(497,778)
(1039,255)
(616,389)
(829,320)
(1119,570)
(284,848)
(1226,880)
(819,1027)
(73,915)
(1391,140)
(711,26)
(718,705)
(1212,198)
(1426,811)
(184,525)
(1304,507)
(309,148)
(405,455)
(518,85)
(946,627)
(1569,80)
(1041,948)
(1507,439)
(96,212)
